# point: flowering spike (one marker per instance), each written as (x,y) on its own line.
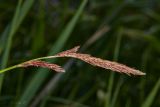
(42,64)
(114,66)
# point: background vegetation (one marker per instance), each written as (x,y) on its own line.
(126,31)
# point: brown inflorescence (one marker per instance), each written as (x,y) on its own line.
(114,66)
(43,64)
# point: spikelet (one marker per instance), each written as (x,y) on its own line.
(114,66)
(43,64)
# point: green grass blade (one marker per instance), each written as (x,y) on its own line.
(11,29)
(10,36)
(3,39)
(39,29)
(39,78)
(144,64)
(116,54)
(67,31)
(24,10)
(20,14)
(115,95)
(5,55)
(149,100)
(111,78)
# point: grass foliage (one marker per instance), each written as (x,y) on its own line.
(126,31)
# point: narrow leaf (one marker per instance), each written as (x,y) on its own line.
(150,98)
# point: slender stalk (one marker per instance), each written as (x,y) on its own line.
(9,68)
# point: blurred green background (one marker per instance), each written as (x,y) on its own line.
(126,31)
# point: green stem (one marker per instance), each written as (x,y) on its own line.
(9,68)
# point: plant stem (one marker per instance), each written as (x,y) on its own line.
(9,68)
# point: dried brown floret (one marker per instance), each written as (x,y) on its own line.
(43,64)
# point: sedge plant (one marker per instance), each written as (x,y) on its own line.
(114,66)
